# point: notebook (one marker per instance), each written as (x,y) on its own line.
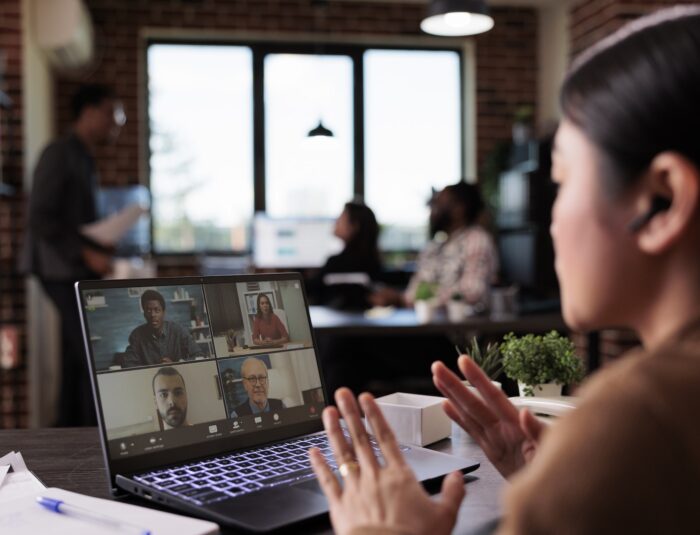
(194,416)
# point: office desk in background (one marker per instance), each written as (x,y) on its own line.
(394,353)
(403,322)
(72,460)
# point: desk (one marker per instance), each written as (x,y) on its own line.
(403,322)
(72,459)
(393,353)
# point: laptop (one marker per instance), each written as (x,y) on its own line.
(195,416)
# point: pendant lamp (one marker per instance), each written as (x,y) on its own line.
(457,18)
(320,130)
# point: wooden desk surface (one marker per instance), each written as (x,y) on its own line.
(403,322)
(72,459)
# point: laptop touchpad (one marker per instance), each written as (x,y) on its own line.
(311,484)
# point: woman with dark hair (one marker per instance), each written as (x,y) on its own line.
(268,329)
(626,229)
(357,227)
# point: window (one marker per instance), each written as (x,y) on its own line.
(201,143)
(412,138)
(308,176)
(228,136)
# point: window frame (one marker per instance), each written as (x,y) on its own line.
(259,49)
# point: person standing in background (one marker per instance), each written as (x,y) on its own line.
(61,202)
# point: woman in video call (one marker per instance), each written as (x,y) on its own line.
(268,329)
(626,229)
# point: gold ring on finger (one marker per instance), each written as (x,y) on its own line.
(348,468)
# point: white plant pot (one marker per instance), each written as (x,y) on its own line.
(546,390)
(425,310)
(458,311)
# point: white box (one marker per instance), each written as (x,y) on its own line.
(415,418)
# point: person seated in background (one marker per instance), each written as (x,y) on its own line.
(357,227)
(256,384)
(626,228)
(158,340)
(268,329)
(460,259)
(170,395)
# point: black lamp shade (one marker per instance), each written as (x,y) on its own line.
(320,130)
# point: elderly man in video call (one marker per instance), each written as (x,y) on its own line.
(170,395)
(158,340)
(256,384)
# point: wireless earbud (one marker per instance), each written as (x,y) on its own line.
(658,204)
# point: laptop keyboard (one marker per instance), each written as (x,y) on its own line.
(227,476)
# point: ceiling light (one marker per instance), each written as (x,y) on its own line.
(457,17)
(320,130)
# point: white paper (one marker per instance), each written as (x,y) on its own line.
(20,514)
(16,484)
(3,473)
(111,229)
(24,516)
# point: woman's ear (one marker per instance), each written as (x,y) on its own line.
(673,183)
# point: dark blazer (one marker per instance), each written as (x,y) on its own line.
(244,408)
(62,200)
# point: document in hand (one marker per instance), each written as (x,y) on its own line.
(111,229)
(20,514)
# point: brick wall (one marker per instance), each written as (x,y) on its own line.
(506,56)
(592,20)
(13,400)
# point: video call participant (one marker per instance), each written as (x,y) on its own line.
(268,329)
(256,384)
(158,340)
(170,396)
(465,262)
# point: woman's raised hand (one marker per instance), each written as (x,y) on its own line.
(509,438)
(384,497)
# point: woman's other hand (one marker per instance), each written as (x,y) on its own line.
(509,438)
(381,497)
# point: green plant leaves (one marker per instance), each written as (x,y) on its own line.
(534,360)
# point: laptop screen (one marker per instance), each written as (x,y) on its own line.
(177,364)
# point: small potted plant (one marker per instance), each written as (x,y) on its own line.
(425,302)
(490,359)
(542,365)
(458,308)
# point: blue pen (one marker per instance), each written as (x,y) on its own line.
(59,506)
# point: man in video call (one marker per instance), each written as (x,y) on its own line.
(170,396)
(256,384)
(158,340)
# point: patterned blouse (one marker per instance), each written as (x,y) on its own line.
(466,263)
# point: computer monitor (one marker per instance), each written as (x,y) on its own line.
(293,242)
